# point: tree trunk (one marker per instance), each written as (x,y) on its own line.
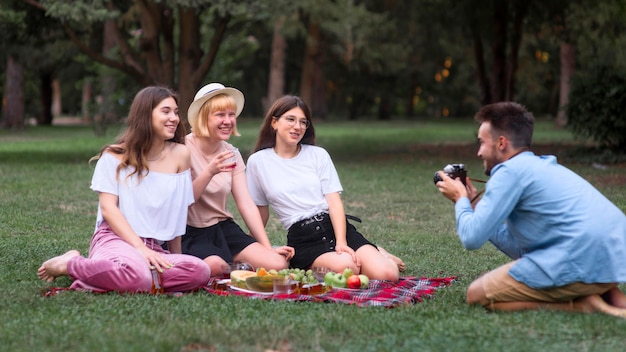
(516,40)
(108,85)
(313,83)
(309,65)
(319,102)
(192,65)
(481,71)
(276,81)
(86,101)
(568,67)
(189,60)
(150,41)
(13,107)
(413,96)
(57,107)
(353,109)
(45,116)
(384,110)
(500,20)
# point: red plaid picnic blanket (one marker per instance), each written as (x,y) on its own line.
(408,290)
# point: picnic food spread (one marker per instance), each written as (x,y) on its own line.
(262,280)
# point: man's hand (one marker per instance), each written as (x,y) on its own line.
(453,189)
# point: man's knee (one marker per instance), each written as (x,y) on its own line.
(476,293)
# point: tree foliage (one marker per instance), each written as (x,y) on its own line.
(158,42)
(596,108)
(598,96)
(361,58)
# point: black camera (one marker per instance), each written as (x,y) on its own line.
(453,171)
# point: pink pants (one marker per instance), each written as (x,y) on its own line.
(114,265)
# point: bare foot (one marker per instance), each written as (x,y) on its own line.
(55,267)
(615,297)
(595,303)
(393,258)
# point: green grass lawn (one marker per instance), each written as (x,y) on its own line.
(46,208)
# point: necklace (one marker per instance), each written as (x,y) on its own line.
(158,156)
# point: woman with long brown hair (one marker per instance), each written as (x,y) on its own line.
(298,179)
(144,188)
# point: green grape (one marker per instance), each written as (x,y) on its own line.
(303,276)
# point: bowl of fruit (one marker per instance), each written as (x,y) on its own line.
(263,281)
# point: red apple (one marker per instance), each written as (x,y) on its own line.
(354,281)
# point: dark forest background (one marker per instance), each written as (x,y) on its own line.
(349,59)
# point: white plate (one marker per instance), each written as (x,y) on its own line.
(235,288)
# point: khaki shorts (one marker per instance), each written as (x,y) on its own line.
(499,286)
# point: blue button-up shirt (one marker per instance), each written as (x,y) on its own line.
(561,228)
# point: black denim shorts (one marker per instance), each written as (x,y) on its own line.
(313,237)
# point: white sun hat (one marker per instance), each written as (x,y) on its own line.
(209,91)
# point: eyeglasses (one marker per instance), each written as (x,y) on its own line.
(291,121)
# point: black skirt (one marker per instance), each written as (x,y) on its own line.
(224,239)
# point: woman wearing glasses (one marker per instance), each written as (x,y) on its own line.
(299,181)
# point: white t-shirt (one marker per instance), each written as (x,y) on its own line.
(294,188)
(155,208)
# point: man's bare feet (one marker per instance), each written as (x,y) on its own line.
(595,303)
(393,258)
(55,267)
(615,297)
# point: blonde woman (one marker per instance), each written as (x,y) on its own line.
(212,234)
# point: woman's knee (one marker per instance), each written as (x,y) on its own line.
(130,279)
(262,257)
(277,262)
(216,264)
(189,273)
(202,272)
(339,267)
(336,263)
(382,274)
(392,273)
